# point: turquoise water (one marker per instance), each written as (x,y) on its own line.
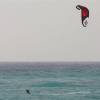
(50,81)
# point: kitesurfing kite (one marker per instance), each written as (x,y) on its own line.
(84,14)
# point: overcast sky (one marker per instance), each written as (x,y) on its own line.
(48,30)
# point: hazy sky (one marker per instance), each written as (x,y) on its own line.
(48,30)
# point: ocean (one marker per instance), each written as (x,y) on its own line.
(50,81)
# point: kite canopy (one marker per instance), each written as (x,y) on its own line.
(84,14)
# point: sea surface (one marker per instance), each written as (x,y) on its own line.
(50,81)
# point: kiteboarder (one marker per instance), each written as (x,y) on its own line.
(28,91)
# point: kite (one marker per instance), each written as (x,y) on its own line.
(84,14)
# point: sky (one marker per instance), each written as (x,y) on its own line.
(48,30)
